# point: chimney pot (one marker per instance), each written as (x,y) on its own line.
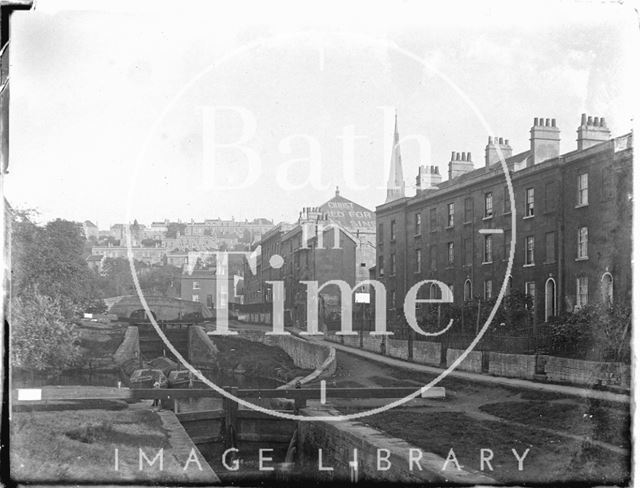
(453,153)
(547,123)
(535,121)
(596,121)
(506,142)
(553,122)
(457,156)
(489,141)
(583,120)
(589,120)
(501,141)
(468,156)
(602,122)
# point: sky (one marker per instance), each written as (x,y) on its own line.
(258,109)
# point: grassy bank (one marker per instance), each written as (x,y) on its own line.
(256,360)
(79,445)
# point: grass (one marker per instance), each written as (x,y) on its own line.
(587,419)
(551,458)
(258,360)
(79,446)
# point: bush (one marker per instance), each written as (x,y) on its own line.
(41,338)
(596,332)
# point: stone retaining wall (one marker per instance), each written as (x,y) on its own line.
(512,365)
(305,354)
(473,361)
(202,352)
(590,373)
(129,348)
(427,352)
(338,440)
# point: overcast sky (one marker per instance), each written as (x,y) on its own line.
(108,104)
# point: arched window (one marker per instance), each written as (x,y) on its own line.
(434,292)
(550,299)
(468,291)
(606,288)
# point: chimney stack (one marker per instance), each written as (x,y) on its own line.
(428,178)
(592,131)
(494,147)
(545,140)
(460,164)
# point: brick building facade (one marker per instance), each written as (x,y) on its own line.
(572,215)
(305,258)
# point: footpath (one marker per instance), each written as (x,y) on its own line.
(496,380)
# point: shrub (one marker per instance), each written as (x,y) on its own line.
(598,332)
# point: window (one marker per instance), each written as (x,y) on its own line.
(529,250)
(195,298)
(450,214)
(418,260)
(392,264)
(468,251)
(528,210)
(433,255)
(583,241)
(380,233)
(506,202)
(393,299)
(506,252)
(433,219)
(434,292)
(530,289)
(450,256)
(606,288)
(393,230)
(380,265)
(196,285)
(418,223)
(468,291)
(549,299)
(488,205)
(488,249)
(488,289)
(468,209)
(209,301)
(582,291)
(607,184)
(550,247)
(583,189)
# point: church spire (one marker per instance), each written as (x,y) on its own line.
(395,184)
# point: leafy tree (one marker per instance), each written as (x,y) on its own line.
(174,228)
(50,258)
(596,331)
(160,280)
(41,338)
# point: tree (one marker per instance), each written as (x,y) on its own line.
(174,228)
(597,332)
(41,338)
(50,258)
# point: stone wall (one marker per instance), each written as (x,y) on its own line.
(473,361)
(512,365)
(305,354)
(398,348)
(129,348)
(426,352)
(590,373)
(339,439)
(202,352)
